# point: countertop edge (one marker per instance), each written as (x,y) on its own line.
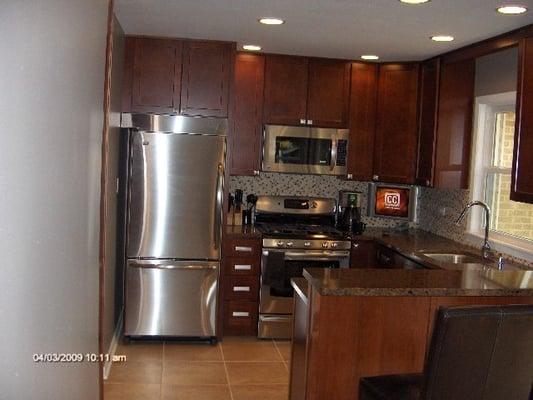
(413,292)
(301,287)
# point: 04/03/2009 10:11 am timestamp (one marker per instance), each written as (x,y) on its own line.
(77,357)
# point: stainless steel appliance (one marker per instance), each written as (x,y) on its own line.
(297,233)
(175,192)
(305,150)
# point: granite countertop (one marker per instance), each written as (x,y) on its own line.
(401,282)
(243,231)
(414,242)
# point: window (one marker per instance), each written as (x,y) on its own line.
(511,222)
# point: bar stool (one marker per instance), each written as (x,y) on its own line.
(476,353)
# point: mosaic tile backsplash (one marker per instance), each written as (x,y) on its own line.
(276,184)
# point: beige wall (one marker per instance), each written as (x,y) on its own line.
(497,72)
(51,118)
(111,265)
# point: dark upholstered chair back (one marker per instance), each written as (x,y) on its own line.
(481,353)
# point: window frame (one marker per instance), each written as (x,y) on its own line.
(485,109)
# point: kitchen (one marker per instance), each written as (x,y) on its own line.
(290,212)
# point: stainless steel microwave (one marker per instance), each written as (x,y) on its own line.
(305,150)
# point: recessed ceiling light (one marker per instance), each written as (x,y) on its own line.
(415,1)
(370,57)
(511,10)
(442,38)
(271,21)
(251,47)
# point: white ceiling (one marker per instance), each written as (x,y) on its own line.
(325,28)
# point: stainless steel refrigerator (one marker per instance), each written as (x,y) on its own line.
(174,227)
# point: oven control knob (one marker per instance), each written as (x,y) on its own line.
(325,245)
(280,243)
(307,244)
(334,245)
(290,244)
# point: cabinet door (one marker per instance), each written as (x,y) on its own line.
(363,254)
(522,177)
(328,94)
(245,150)
(363,98)
(206,78)
(427,136)
(454,121)
(285,90)
(156,75)
(397,122)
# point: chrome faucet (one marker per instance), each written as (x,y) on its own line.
(485,249)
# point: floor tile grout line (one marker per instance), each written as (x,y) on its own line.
(227,373)
(279,351)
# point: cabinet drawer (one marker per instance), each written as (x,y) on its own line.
(242,288)
(241,266)
(242,248)
(240,318)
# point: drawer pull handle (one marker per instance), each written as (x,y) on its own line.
(242,267)
(243,248)
(241,288)
(240,314)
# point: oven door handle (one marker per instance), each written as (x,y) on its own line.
(315,255)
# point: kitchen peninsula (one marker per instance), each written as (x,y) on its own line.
(354,323)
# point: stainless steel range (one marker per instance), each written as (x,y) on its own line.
(297,233)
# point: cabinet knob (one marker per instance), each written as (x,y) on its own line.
(309,122)
(349,176)
(302,121)
(256,173)
(375,177)
(427,182)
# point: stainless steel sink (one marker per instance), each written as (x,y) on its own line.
(454,258)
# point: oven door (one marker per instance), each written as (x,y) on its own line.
(278,267)
(305,150)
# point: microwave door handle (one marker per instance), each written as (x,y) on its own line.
(219,194)
(334,144)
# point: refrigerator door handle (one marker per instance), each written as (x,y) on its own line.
(185,266)
(218,206)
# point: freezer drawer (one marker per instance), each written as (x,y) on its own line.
(171,298)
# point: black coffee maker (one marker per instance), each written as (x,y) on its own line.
(349,212)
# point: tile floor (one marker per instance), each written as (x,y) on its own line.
(235,369)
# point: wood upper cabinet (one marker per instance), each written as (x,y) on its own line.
(245,140)
(155,84)
(397,123)
(427,135)
(302,91)
(454,124)
(285,90)
(168,76)
(328,93)
(206,78)
(362,120)
(522,176)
